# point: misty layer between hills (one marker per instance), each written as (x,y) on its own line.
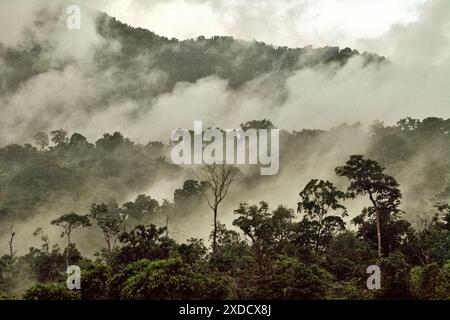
(110,77)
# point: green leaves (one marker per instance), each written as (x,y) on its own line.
(292,279)
(144,242)
(72,221)
(265,229)
(110,219)
(51,291)
(173,279)
(319,197)
(367,177)
(320,201)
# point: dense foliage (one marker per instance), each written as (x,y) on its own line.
(315,252)
(99,195)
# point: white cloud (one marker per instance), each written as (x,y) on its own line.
(288,22)
(73,98)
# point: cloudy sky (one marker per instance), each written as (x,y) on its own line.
(292,23)
(413,34)
(362,24)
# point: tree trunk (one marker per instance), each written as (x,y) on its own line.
(215,231)
(11,240)
(377,211)
(379,234)
(167,226)
(68,248)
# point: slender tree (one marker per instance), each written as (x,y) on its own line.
(218,178)
(166,209)
(11,240)
(70,222)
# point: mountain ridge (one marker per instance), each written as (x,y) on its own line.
(233,59)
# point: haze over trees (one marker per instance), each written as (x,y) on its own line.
(217,179)
(319,252)
(140,227)
(70,222)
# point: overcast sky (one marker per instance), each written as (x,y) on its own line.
(413,34)
(292,23)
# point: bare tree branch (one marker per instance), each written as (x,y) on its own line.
(218,179)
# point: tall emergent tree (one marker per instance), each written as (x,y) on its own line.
(70,222)
(367,177)
(218,178)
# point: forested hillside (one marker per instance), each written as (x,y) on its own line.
(86,176)
(267,247)
(134,63)
(232,59)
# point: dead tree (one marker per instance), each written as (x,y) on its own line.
(218,178)
(11,240)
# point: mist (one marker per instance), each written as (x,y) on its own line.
(67,85)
